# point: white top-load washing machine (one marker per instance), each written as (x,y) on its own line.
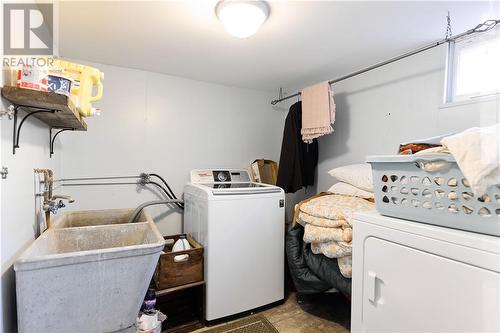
(240,223)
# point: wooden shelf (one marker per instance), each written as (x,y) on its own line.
(66,116)
(179,288)
(184,305)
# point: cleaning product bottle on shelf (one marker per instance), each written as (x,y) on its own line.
(85,79)
(10,76)
(33,77)
(91,77)
(181,244)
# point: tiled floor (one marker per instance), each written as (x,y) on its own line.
(322,313)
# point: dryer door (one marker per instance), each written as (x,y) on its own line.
(407,290)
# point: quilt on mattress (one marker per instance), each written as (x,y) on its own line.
(335,207)
(327,220)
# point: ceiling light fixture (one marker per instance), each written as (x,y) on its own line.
(242,18)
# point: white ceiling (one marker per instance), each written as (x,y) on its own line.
(302,42)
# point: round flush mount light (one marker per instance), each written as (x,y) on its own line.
(242,18)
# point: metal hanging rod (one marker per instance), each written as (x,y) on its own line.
(482,27)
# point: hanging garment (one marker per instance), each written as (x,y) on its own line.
(298,160)
(318,113)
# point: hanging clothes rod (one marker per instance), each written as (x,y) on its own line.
(482,27)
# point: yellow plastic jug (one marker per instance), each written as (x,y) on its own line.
(85,78)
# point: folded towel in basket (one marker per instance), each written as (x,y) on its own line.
(477,152)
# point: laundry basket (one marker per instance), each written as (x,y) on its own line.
(405,188)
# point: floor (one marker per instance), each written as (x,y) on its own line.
(317,313)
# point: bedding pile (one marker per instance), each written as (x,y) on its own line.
(319,245)
(327,220)
(312,273)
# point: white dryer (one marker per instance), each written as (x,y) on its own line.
(241,225)
(415,277)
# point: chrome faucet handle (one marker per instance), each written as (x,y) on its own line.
(53,206)
(53,209)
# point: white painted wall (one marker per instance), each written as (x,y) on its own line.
(399,102)
(19,208)
(168,125)
(20,215)
(1,242)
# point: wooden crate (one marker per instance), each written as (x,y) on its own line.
(170,274)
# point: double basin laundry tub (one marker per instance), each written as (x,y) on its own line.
(88,272)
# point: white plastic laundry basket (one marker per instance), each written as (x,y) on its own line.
(404,189)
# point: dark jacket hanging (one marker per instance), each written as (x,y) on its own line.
(298,159)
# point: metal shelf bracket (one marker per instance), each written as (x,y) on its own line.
(53,138)
(17,129)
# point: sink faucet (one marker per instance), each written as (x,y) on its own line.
(52,205)
(65,197)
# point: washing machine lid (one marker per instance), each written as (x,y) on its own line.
(239,188)
(229,182)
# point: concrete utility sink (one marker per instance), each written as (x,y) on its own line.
(97,217)
(87,278)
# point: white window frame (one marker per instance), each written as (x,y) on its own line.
(451,66)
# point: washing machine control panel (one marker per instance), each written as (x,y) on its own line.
(219,176)
(222,175)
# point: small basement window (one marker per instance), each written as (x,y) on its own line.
(474,67)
